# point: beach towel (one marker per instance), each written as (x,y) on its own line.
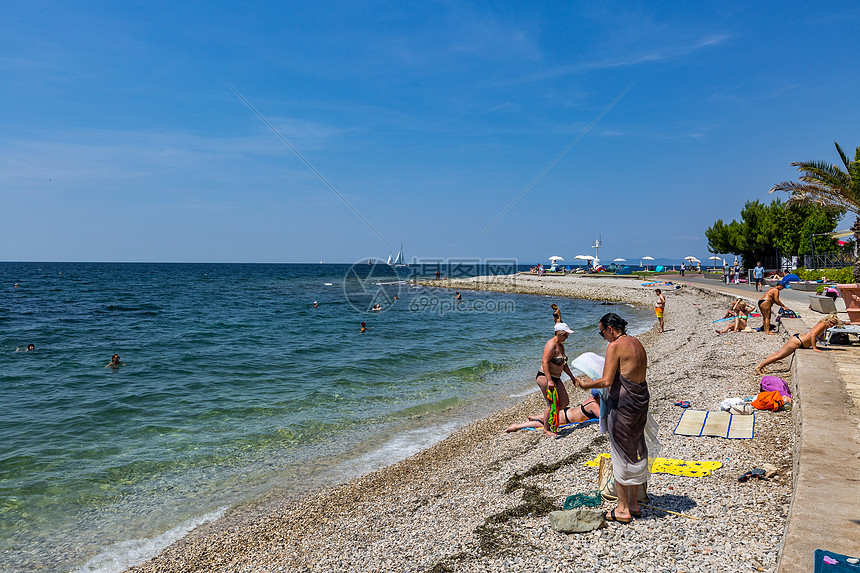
(717,424)
(563,426)
(830,562)
(768,401)
(673,467)
(775,384)
(552,396)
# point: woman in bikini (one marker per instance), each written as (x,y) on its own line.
(553,363)
(587,410)
(741,313)
(805,340)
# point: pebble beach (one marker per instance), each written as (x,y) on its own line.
(479,499)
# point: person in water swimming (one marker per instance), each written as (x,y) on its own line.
(363,327)
(114,362)
(806,340)
(589,409)
(553,363)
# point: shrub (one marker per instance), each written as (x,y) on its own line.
(841,276)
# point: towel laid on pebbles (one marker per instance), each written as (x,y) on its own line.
(671,466)
(718,424)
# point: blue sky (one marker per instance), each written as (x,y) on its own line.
(122,141)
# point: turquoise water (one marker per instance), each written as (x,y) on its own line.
(233,385)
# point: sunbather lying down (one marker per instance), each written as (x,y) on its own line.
(589,409)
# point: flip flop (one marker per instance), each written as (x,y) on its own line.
(682,403)
(611,517)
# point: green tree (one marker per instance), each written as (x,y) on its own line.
(763,228)
(829,185)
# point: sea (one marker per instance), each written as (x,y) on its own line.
(237,381)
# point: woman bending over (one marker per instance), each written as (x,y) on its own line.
(806,340)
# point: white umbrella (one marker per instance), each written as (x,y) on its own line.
(692,259)
(619,260)
(584,257)
(554,259)
(715,258)
(647,258)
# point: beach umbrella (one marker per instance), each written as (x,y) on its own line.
(714,258)
(692,259)
(584,257)
(619,260)
(645,259)
(554,259)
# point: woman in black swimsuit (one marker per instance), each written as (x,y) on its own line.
(554,362)
(805,340)
(588,410)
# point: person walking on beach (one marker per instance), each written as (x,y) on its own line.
(683,268)
(737,273)
(771,297)
(553,363)
(758,275)
(624,374)
(660,307)
(806,340)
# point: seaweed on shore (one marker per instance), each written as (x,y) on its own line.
(496,537)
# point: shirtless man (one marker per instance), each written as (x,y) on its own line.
(771,297)
(659,307)
(626,413)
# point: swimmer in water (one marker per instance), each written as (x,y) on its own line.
(315,304)
(30,347)
(363,327)
(114,362)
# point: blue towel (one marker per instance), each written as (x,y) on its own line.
(841,565)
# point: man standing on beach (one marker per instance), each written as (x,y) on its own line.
(660,307)
(683,268)
(771,297)
(758,275)
(627,406)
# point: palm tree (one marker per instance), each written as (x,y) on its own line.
(830,186)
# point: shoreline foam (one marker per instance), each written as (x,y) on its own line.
(476,501)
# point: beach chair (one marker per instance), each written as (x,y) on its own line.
(846,328)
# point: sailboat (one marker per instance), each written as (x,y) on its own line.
(398,261)
(388,262)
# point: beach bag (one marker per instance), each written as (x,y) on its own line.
(788,313)
(606,483)
(768,401)
(775,383)
(839,338)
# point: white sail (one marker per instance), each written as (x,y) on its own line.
(399,259)
(388,262)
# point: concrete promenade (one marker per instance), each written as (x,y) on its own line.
(825,508)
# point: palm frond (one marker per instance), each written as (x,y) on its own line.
(842,154)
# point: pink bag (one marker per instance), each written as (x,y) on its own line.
(775,384)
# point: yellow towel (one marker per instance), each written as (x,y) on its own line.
(673,467)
